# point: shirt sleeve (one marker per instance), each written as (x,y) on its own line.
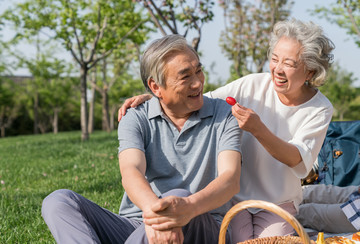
(130,133)
(309,140)
(231,134)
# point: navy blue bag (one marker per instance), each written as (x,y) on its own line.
(339,157)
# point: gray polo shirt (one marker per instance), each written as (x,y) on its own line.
(185,159)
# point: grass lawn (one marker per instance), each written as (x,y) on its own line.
(31,167)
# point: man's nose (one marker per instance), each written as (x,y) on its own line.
(197,82)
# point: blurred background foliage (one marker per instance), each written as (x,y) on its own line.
(104,39)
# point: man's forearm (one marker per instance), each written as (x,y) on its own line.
(138,189)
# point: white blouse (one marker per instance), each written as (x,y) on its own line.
(262,176)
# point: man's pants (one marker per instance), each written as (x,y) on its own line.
(72,218)
(320,209)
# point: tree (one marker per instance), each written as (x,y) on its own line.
(54,95)
(171,16)
(84,28)
(339,90)
(126,86)
(110,70)
(9,107)
(248,26)
(344,13)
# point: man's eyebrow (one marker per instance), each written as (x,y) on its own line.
(186,70)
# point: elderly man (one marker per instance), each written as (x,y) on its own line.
(179,157)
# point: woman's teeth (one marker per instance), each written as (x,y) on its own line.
(280,80)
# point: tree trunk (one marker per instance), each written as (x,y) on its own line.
(105,111)
(83,104)
(36,113)
(112,115)
(341,116)
(56,121)
(2,131)
(92,110)
(105,99)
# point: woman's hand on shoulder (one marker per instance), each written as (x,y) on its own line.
(132,102)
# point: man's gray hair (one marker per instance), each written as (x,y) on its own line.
(152,64)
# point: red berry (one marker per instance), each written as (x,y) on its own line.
(231,101)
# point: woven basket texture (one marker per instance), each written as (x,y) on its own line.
(303,237)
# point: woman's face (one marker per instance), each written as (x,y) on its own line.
(288,72)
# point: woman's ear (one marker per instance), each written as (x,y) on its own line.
(310,75)
(154,87)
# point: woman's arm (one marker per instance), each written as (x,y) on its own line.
(283,151)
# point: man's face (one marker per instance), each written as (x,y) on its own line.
(184,81)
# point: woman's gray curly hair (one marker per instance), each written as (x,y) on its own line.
(316,47)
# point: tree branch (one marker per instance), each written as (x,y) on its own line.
(69,46)
(352,19)
(99,35)
(108,52)
(77,39)
(153,17)
(158,11)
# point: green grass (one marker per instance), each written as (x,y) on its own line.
(31,167)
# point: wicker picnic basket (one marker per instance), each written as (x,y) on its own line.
(303,237)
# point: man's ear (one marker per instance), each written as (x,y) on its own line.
(154,87)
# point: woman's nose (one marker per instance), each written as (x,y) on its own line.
(279,68)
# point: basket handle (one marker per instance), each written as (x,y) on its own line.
(267,206)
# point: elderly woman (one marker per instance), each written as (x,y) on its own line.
(285,119)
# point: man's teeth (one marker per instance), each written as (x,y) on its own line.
(194,95)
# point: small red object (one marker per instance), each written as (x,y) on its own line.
(231,101)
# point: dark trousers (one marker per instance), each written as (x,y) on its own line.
(72,218)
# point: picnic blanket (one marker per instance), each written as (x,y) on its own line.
(352,209)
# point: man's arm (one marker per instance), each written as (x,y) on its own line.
(132,164)
(172,212)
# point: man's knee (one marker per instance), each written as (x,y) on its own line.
(56,201)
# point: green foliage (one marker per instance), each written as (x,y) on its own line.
(345,14)
(340,91)
(31,167)
(77,24)
(9,105)
(125,87)
(89,30)
(180,17)
(245,39)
